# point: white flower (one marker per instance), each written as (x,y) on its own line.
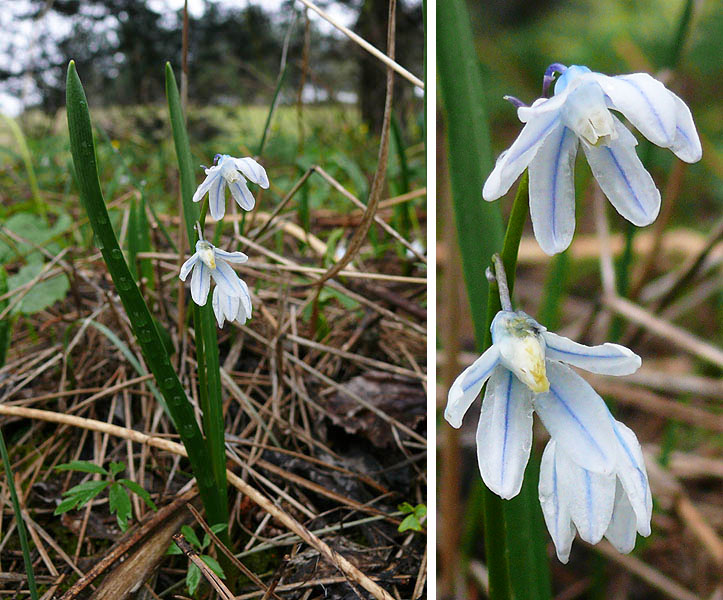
(224,173)
(208,262)
(525,374)
(579,114)
(593,504)
(233,308)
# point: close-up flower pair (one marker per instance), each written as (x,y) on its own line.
(231,298)
(593,479)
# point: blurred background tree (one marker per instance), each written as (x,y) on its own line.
(234,51)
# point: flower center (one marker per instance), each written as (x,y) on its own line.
(586,113)
(522,349)
(206,254)
(228,168)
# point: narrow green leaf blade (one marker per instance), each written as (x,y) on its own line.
(180,409)
(479,224)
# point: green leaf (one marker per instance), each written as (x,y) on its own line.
(479,223)
(191,536)
(137,489)
(80,495)
(117,467)
(213,565)
(173,549)
(410,522)
(420,511)
(120,503)
(42,294)
(193,578)
(405,507)
(82,465)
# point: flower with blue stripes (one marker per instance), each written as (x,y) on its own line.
(210,262)
(617,506)
(526,373)
(579,113)
(231,172)
(231,307)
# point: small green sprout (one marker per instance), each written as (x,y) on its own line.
(416,515)
(118,499)
(193,575)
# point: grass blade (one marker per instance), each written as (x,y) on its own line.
(19,519)
(156,356)
(27,159)
(479,223)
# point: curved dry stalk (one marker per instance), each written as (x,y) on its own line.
(375,194)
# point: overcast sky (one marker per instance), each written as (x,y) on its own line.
(25,33)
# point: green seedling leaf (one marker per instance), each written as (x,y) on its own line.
(218,529)
(193,578)
(191,536)
(405,508)
(213,565)
(117,467)
(410,522)
(173,549)
(120,504)
(83,466)
(137,489)
(80,495)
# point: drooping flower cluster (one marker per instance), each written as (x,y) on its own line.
(593,477)
(231,298)
(579,114)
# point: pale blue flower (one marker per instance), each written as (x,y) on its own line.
(231,172)
(210,262)
(526,374)
(579,113)
(616,506)
(231,307)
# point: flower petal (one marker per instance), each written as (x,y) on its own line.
(686,143)
(511,163)
(621,531)
(200,283)
(623,178)
(253,171)
(556,513)
(552,190)
(607,359)
(205,185)
(577,419)
(241,193)
(245,308)
(187,266)
(634,477)
(645,102)
(218,311)
(468,385)
(217,199)
(232,257)
(589,496)
(504,433)
(227,279)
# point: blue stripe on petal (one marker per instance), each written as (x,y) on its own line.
(584,429)
(624,175)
